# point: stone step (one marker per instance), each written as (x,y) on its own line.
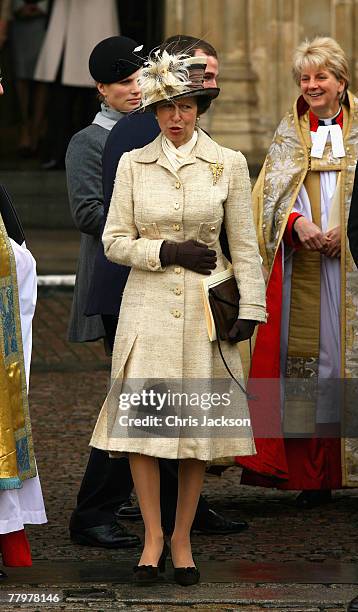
(231,572)
(40,197)
(247,586)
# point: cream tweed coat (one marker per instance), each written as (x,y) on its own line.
(162,331)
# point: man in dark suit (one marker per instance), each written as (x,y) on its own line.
(352,229)
(108,482)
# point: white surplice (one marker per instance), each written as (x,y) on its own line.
(24,506)
(330,341)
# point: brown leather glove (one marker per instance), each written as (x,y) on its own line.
(191,254)
(242,330)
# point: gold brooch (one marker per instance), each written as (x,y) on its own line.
(217,170)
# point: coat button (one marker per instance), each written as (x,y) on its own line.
(213,228)
(176,314)
(177,270)
(143,230)
(176,206)
(176,227)
(178,291)
(177,185)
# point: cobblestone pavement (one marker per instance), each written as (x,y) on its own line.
(68,385)
(51,350)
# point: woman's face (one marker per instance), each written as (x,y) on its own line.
(321,90)
(177,120)
(123,96)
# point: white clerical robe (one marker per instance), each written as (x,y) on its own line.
(329,350)
(24,506)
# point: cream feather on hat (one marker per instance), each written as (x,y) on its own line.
(166,76)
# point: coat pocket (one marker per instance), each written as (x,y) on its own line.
(148,230)
(209,232)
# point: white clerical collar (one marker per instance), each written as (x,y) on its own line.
(329,120)
(329,131)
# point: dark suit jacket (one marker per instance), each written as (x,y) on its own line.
(352,229)
(109,279)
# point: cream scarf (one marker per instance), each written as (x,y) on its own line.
(178,156)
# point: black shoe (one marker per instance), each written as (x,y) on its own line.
(149,574)
(2,575)
(186,576)
(111,535)
(126,511)
(313,498)
(215,524)
(353,605)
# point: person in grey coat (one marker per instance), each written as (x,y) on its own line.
(119,92)
(114,65)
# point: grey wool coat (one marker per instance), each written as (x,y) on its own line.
(162,330)
(85,192)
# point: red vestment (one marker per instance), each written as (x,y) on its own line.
(292,463)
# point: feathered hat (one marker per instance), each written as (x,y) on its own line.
(166,76)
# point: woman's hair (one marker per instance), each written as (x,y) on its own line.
(203,103)
(321,52)
(181,43)
(100,97)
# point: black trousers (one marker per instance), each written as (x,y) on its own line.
(108,482)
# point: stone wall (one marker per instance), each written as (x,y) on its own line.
(255,40)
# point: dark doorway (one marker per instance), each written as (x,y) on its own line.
(143,21)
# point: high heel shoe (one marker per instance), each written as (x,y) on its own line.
(149,574)
(186,576)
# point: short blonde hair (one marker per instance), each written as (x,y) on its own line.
(321,52)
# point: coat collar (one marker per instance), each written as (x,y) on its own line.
(205,149)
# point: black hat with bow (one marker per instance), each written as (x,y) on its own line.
(114,59)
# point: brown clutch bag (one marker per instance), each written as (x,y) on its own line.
(221,303)
(224,299)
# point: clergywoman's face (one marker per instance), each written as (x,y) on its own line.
(177,120)
(321,90)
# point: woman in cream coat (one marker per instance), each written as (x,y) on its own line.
(169,202)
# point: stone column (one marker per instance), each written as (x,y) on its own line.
(255,40)
(355,47)
(345,30)
(225,24)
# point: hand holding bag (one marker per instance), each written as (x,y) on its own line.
(224,300)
